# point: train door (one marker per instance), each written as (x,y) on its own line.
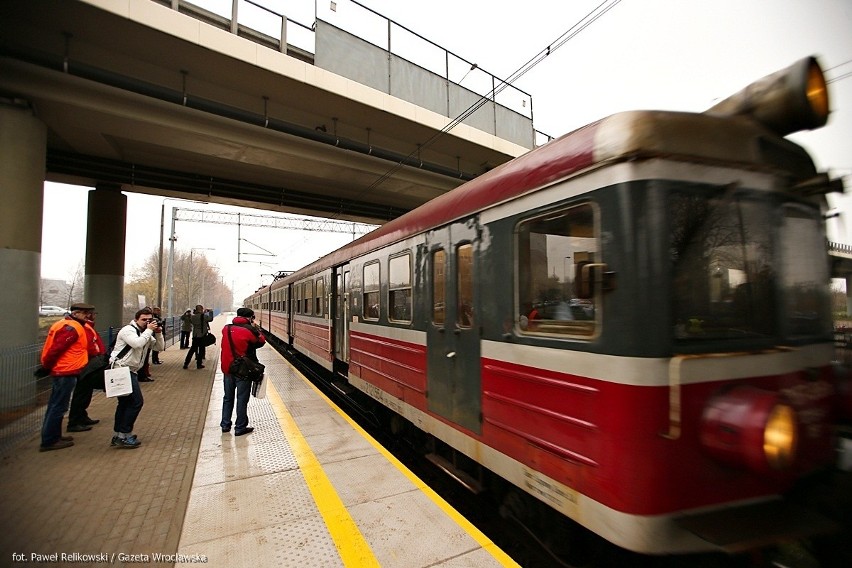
(453,366)
(291,314)
(341,316)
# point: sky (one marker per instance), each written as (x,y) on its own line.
(641,54)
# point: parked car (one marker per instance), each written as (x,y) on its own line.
(45,311)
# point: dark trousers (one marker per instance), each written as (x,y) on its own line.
(51,429)
(145,370)
(155,357)
(242,389)
(82,397)
(129,407)
(198,350)
(184,340)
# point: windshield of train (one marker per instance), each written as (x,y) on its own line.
(743,267)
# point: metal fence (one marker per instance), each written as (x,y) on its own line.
(23,397)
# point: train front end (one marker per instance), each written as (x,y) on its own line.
(749,395)
(670,380)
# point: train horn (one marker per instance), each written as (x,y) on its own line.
(789,100)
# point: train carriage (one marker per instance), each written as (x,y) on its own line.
(630,323)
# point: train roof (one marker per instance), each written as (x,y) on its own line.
(633,135)
(745,130)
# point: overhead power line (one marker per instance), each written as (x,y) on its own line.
(845,75)
(270,221)
(575,29)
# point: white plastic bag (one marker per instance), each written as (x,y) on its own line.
(117,381)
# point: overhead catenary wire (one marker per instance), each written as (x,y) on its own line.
(840,77)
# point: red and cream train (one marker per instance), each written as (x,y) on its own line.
(630,323)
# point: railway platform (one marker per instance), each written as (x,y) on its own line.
(307,488)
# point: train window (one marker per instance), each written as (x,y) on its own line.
(439,270)
(320,297)
(550,248)
(308,297)
(371,291)
(297,298)
(399,303)
(464,256)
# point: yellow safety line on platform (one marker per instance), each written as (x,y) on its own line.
(353,549)
(485,542)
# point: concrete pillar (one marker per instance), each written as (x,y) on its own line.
(23,148)
(105,235)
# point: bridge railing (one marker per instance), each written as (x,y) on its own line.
(289,34)
(839,247)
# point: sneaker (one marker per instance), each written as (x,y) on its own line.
(248,430)
(130,442)
(78,428)
(58,445)
(201,366)
(66,438)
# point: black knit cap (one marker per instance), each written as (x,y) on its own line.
(245,312)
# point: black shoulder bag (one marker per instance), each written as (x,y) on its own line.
(242,367)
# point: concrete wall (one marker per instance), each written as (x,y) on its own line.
(354,58)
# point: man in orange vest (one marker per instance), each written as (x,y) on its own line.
(90,377)
(65,353)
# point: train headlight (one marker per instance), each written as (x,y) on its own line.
(816,91)
(779,437)
(750,428)
(789,100)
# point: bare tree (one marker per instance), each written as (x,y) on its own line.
(194,281)
(76,286)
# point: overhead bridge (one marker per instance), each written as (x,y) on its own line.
(170,99)
(166,98)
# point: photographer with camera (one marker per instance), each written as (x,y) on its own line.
(246,338)
(201,319)
(161,325)
(185,329)
(144,374)
(131,347)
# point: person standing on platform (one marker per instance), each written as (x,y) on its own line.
(91,376)
(246,338)
(185,329)
(144,373)
(201,319)
(64,355)
(155,353)
(131,346)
